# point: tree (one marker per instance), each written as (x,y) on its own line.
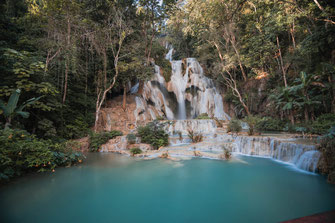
(11,109)
(120,30)
(150,12)
(62,30)
(302,87)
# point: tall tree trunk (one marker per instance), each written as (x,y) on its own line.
(281,63)
(65,81)
(332,92)
(150,47)
(306,113)
(68,40)
(306,110)
(140,87)
(318,4)
(8,122)
(292,34)
(239,60)
(124,97)
(100,101)
(291,117)
(104,55)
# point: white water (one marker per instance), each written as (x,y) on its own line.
(169,55)
(154,94)
(192,86)
(189,85)
(178,86)
(205,126)
(303,156)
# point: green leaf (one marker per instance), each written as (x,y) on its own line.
(12,102)
(23,114)
(2,105)
(28,102)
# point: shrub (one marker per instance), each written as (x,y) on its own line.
(219,123)
(164,155)
(226,154)
(180,134)
(234,126)
(302,130)
(100,138)
(66,153)
(21,153)
(131,138)
(297,128)
(289,127)
(46,129)
(270,124)
(154,134)
(327,149)
(160,118)
(203,116)
(323,123)
(252,122)
(195,137)
(78,129)
(135,151)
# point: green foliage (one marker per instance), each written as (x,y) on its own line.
(11,109)
(203,116)
(323,123)
(234,125)
(160,118)
(135,151)
(252,122)
(47,129)
(261,46)
(65,153)
(78,128)
(227,154)
(131,138)
(194,136)
(100,138)
(270,124)
(158,53)
(327,161)
(154,134)
(21,153)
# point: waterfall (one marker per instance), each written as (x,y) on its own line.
(169,55)
(203,126)
(179,83)
(309,160)
(303,156)
(188,94)
(134,89)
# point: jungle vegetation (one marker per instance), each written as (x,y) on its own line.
(272,59)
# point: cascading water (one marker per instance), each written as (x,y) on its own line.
(179,83)
(188,94)
(169,55)
(303,156)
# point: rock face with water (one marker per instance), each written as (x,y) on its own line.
(303,156)
(188,94)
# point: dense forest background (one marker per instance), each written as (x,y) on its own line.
(61,61)
(274,59)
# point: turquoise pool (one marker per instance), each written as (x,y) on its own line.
(115,188)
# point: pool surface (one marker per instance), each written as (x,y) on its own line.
(115,188)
